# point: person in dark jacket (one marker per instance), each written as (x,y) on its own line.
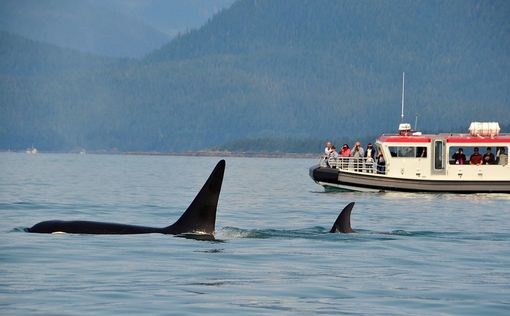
(459,157)
(381,163)
(488,157)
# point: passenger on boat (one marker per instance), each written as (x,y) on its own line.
(488,157)
(369,158)
(459,157)
(357,154)
(502,157)
(334,153)
(331,158)
(327,149)
(345,153)
(475,158)
(328,153)
(381,163)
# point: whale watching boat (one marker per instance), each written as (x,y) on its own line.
(471,162)
(425,163)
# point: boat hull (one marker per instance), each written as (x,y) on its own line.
(356,181)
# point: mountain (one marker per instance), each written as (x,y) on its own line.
(274,73)
(171,17)
(43,86)
(20,56)
(81,25)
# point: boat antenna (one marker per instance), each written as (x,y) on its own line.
(403,88)
(416,123)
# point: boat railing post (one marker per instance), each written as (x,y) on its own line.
(358,164)
(332,162)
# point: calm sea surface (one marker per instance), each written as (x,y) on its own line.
(412,254)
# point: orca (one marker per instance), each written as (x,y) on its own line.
(343,221)
(199,218)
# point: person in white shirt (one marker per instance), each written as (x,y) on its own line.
(329,147)
(503,158)
(369,155)
(333,153)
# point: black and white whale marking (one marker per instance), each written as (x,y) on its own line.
(199,218)
(343,221)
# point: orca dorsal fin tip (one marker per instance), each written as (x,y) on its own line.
(343,221)
(200,216)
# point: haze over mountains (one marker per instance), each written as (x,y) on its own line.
(116,28)
(171,17)
(265,71)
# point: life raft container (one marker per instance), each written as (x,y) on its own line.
(484,129)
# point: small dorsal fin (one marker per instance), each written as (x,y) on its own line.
(343,222)
(200,217)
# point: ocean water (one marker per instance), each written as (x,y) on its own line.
(411,254)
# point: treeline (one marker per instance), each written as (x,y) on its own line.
(266,74)
(288,144)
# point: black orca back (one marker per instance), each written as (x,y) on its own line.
(90,227)
(200,217)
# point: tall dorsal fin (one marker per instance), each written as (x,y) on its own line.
(343,222)
(200,217)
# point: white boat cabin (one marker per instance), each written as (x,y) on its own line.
(430,156)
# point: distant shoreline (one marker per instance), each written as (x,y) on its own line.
(185,154)
(228,154)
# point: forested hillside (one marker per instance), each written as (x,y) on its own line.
(23,57)
(269,71)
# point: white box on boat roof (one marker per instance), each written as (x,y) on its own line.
(484,129)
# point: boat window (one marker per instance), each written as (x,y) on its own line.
(462,155)
(421,152)
(408,151)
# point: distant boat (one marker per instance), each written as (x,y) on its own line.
(32,151)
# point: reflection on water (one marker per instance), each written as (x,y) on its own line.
(205,237)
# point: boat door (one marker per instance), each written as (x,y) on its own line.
(439,161)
